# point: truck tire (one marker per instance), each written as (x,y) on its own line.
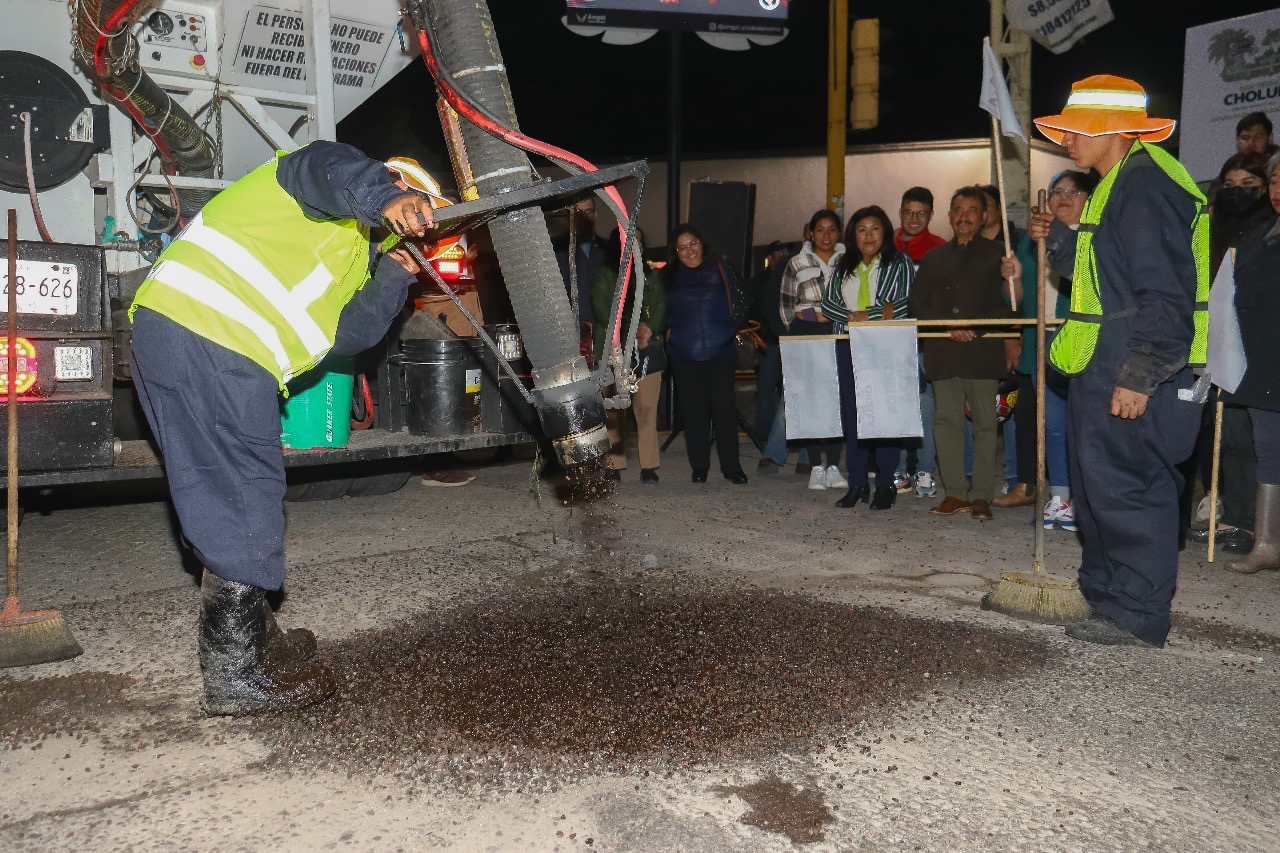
(318,490)
(378,484)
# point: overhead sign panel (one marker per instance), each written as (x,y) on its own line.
(731,17)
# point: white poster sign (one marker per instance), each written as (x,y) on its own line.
(811,388)
(273,48)
(886,378)
(1058,24)
(1230,69)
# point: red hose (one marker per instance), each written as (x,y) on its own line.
(367,420)
(517,139)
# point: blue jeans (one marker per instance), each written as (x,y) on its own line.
(926,453)
(776,447)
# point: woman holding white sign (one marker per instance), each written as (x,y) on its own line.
(871,282)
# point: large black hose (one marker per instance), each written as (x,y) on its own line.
(570,403)
(181,141)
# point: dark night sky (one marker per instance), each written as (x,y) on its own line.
(608,103)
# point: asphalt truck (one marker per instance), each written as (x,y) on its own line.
(124,117)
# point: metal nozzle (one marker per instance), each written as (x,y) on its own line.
(573,417)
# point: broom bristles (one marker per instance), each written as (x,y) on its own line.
(41,640)
(1037,598)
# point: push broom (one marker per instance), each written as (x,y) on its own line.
(27,637)
(1035,595)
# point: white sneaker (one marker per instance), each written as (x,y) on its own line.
(1061,514)
(835,480)
(925,487)
(818,477)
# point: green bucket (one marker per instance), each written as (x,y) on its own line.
(317,412)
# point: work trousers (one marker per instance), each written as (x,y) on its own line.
(861,454)
(1124,482)
(948,434)
(1238,468)
(644,402)
(705,393)
(216,417)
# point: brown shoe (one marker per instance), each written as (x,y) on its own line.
(803,468)
(1019,495)
(950,506)
(980,510)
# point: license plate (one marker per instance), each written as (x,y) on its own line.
(42,287)
(71,363)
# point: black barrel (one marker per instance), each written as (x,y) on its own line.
(443,380)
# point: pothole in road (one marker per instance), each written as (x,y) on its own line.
(778,806)
(624,673)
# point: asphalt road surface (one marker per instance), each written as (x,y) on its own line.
(676,667)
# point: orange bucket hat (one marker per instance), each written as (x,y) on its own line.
(1105,104)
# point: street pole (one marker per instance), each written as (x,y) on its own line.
(837,102)
(1014,47)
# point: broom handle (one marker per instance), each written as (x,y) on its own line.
(11,553)
(1042,484)
(1213,475)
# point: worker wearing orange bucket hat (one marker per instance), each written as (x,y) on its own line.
(1136,333)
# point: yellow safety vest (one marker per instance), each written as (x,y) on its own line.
(1075,343)
(255,274)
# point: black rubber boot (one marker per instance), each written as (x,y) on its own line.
(288,649)
(239,676)
(1266,540)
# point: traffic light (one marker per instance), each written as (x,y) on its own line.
(864,81)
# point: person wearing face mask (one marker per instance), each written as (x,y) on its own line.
(1239,206)
(1257,302)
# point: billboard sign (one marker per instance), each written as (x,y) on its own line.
(730,17)
(1230,69)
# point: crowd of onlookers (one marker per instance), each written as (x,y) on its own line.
(976,383)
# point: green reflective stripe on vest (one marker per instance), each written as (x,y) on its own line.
(254,274)
(1074,345)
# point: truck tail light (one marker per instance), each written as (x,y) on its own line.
(26,376)
(450,262)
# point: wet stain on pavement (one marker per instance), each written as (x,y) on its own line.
(33,709)
(778,806)
(638,672)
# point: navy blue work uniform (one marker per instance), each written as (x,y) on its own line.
(1123,477)
(216,413)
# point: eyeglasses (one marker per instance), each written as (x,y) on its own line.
(584,211)
(915,214)
(684,247)
(1063,192)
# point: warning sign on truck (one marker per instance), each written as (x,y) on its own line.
(273,48)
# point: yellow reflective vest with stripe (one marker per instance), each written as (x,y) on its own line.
(1074,345)
(257,275)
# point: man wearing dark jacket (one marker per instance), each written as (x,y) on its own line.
(962,280)
(275,273)
(1139,267)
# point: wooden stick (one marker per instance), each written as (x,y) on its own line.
(11,552)
(1213,475)
(1004,213)
(1042,479)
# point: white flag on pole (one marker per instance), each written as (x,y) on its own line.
(811,388)
(886,378)
(1226,360)
(995,93)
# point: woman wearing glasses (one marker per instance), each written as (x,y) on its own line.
(705,305)
(1068,192)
